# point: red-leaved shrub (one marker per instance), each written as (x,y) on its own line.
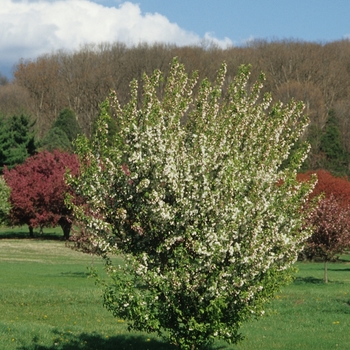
(38,190)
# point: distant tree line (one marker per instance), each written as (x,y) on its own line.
(56,97)
(318,74)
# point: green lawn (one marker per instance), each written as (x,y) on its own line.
(308,314)
(47,301)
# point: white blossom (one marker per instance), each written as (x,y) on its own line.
(201,210)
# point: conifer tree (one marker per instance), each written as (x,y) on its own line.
(62,133)
(16,140)
(336,157)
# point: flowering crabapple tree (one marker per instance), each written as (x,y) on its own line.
(192,195)
(331,218)
(331,235)
(38,191)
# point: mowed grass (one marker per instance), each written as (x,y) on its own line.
(47,301)
(307,314)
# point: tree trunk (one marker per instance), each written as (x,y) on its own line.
(66,226)
(31,231)
(325,278)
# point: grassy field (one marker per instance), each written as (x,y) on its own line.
(47,301)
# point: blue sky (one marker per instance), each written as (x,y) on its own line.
(239,20)
(30,28)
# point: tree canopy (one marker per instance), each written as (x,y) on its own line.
(67,122)
(62,133)
(192,195)
(330,219)
(329,185)
(336,156)
(316,73)
(38,190)
(331,230)
(16,140)
(55,139)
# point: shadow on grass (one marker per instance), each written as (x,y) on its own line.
(75,274)
(308,280)
(313,280)
(335,269)
(24,234)
(98,342)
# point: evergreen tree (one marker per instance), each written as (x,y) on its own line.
(63,131)
(336,157)
(56,139)
(16,140)
(68,123)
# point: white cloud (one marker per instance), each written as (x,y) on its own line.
(226,42)
(248,40)
(32,27)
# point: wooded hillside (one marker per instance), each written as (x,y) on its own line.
(318,74)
